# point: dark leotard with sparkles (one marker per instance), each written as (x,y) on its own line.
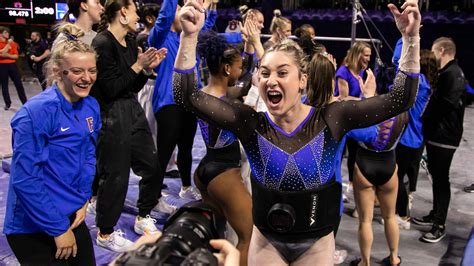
(305,158)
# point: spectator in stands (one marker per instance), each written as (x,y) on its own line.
(8,68)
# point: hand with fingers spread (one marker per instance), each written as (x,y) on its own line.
(145,59)
(80,216)
(191,17)
(409,20)
(228,255)
(159,57)
(66,245)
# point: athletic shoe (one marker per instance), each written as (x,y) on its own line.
(403,224)
(164,207)
(91,208)
(425,220)
(469,189)
(435,235)
(339,256)
(190,193)
(386,261)
(145,225)
(115,242)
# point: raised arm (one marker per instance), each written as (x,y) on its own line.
(342,117)
(163,23)
(236,117)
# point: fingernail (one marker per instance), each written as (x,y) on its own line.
(203,10)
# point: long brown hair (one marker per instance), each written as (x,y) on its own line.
(429,67)
(321,75)
(110,12)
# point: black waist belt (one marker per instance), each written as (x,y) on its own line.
(296,214)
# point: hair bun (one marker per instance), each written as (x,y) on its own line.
(243,10)
(277,13)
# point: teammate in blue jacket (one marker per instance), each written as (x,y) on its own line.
(54,138)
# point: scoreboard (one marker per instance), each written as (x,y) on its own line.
(37,11)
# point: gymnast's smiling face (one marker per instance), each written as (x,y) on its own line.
(281,82)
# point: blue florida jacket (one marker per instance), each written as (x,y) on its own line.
(53,163)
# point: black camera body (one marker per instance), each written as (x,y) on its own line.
(185,239)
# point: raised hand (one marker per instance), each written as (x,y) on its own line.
(369,86)
(409,20)
(159,57)
(191,17)
(253,33)
(145,59)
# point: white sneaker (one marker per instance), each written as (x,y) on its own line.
(145,225)
(164,207)
(91,208)
(339,256)
(190,193)
(115,242)
(403,224)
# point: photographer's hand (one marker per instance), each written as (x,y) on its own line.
(228,255)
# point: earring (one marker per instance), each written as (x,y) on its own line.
(124,20)
(227,73)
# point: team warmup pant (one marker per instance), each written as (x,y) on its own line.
(408,161)
(40,248)
(176,127)
(11,71)
(125,141)
(439,162)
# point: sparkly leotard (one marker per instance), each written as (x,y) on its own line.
(222,152)
(305,158)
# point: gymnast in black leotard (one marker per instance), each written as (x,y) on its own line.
(375,175)
(376,160)
(218,175)
(292,148)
